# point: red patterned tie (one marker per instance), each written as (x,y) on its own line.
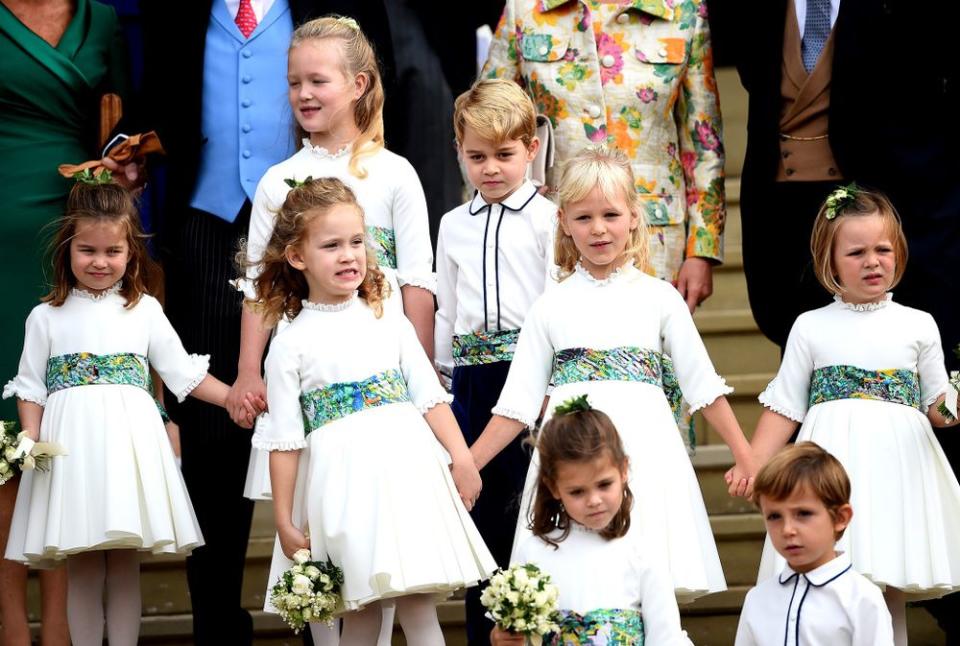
(246,20)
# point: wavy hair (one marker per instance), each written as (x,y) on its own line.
(110,204)
(280,287)
(358,57)
(579,436)
(609,170)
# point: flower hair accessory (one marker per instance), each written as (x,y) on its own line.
(841,198)
(349,22)
(87,176)
(294,183)
(573,405)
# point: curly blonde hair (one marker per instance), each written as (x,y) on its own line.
(281,287)
(609,170)
(358,58)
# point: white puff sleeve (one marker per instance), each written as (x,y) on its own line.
(285,431)
(789,392)
(698,379)
(446,306)
(263,214)
(658,606)
(529,376)
(930,362)
(181,372)
(411,226)
(422,383)
(30,384)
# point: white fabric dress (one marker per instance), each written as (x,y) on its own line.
(602,584)
(119,485)
(628,310)
(373,489)
(394,207)
(906,500)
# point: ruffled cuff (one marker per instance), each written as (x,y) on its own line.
(720,390)
(246,286)
(445,398)
(932,399)
(23,393)
(526,420)
(264,444)
(428,282)
(766,398)
(200,364)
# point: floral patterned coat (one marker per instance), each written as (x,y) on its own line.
(636,75)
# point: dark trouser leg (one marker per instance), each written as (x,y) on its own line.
(475,391)
(205,311)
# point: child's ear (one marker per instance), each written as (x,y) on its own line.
(553,490)
(294,258)
(842,517)
(360,82)
(532,149)
(625,469)
(563,223)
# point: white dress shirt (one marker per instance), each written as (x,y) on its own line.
(260,7)
(833,605)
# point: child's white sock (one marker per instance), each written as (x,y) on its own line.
(324,635)
(897,605)
(362,627)
(86,574)
(123,597)
(418,618)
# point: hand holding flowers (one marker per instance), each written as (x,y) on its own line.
(307,592)
(522,600)
(20,452)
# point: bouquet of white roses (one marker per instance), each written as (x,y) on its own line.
(307,592)
(522,599)
(19,453)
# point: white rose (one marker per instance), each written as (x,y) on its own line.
(540,599)
(301,585)
(513,597)
(301,556)
(9,453)
(520,576)
(292,601)
(4,466)
(307,614)
(312,571)
(297,569)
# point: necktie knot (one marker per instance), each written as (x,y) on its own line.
(246,19)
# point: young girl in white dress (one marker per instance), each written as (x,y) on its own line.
(337,98)
(609,594)
(356,414)
(864,376)
(603,331)
(84,382)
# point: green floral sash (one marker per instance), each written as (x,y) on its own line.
(383,241)
(849,382)
(333,402)
(484,347)
(86,369)
(619,364)
(614,627)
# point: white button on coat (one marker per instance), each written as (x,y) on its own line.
(543,50)
(623,18)
(608,60)
(594,111)
(663,53)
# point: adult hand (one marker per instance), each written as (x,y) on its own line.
(131,176)
(695,281)
(247,391)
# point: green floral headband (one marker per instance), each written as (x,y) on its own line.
(841,198)
(294,183)
(87,176)
(573,405)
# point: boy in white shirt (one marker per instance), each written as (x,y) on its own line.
(494,256)
(818,600)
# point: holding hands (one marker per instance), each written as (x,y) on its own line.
(466,477)
(247,399)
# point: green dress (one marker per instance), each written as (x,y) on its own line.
(49,115)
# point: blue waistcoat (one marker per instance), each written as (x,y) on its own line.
(246,121)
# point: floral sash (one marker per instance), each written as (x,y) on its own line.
(86,369)
(899,386)
(333,402)
(619,364)
(610,627)
(484,347)
(383,241)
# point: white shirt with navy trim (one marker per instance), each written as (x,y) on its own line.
(832,605)
(493,261)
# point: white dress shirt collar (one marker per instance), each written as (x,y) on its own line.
(517,200)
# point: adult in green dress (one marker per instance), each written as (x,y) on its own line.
(57,57)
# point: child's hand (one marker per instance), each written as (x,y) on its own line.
(246,413)
(291,540)
(740,477)
(501,637)
(467,478)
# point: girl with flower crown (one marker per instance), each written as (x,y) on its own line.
(864,378)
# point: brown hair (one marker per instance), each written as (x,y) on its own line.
(358,58)
(578,436)
(609,170)
(864,203)
(111,204)
(804,465)
(281,287)
(496,110)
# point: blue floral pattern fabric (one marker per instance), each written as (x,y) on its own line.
(383,241)
(484,347)
(87,369)
(619,364)
(601,627)
(330,403)
(899,386)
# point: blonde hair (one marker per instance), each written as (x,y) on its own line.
(358,58)
(111,204)
(863,203)
(804,465)
(497,110)
(609,170)
(280,287)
